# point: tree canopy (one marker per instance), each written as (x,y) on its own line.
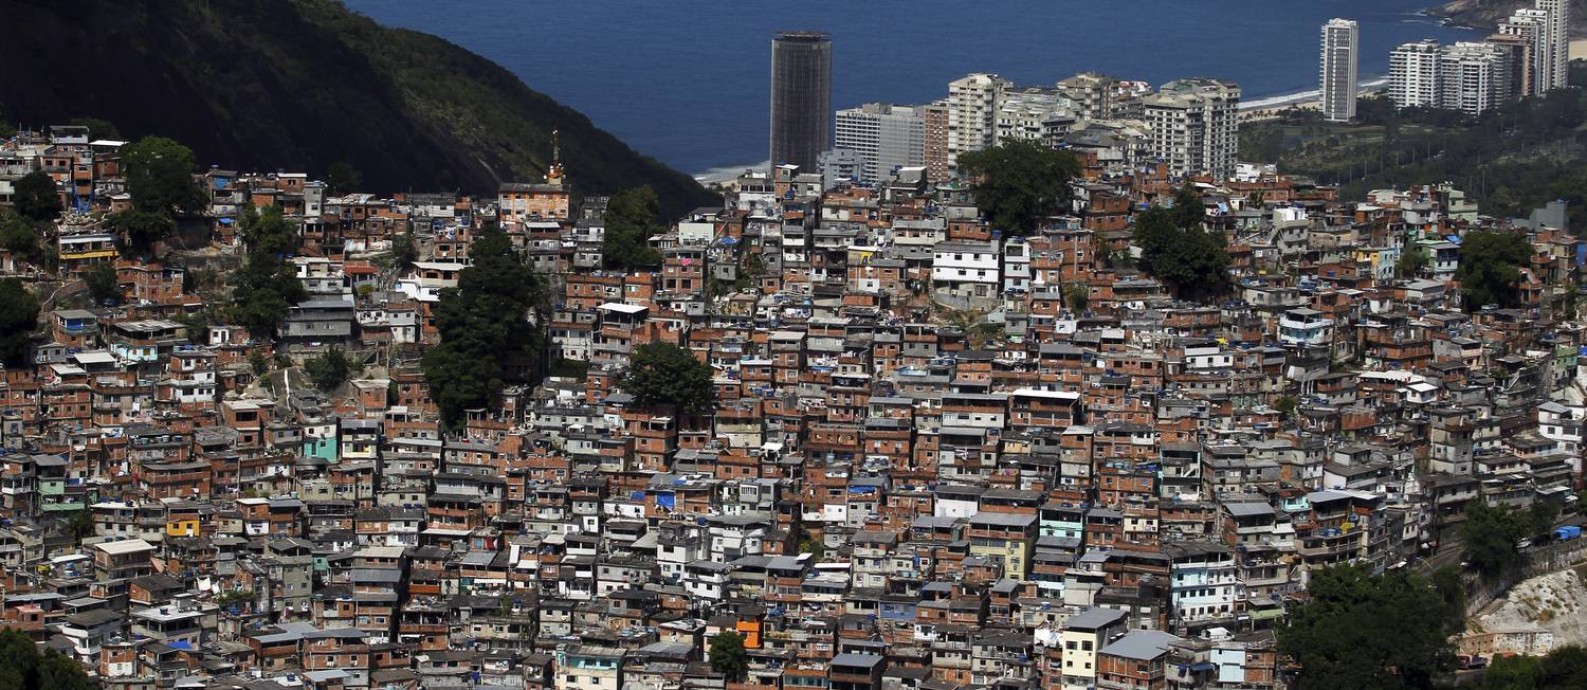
(342,178)
(1179,250)
(1359,630)
(21,237)
(102,284)
(728,656)
(159,175)
(266,286)
(665,374)
(1563,668)
(486,335)
(141,230)
(332,369)
(632,216)
(19,317)
(1019,183)
(24,667)
(1490,267)
(36,198)
(1490,535)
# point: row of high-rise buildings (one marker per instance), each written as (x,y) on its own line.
(1189,125)
(1528,56)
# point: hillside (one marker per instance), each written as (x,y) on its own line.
(1486,14)
(302,84)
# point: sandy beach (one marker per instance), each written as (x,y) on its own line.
(1578,49)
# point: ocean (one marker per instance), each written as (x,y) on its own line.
(686,81)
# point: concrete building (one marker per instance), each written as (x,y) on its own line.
(934,119)
(1091,93)
(1040,115)
(1556,39)
(1413,75)
(1340,78)
(801,98)
(1473,78)
(886,136)
(1528,27)
(972,113)
(1195,126)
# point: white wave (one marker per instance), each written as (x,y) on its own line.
(1369,83)
(730,172)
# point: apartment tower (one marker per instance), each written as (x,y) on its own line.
(801,98)
(1195,126)
(1556,36)
(1340,78)
(1413,75)
(886,137)
(972,113)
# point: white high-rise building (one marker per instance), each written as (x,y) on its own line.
(1195,126)
(1473,78)
(1530,25)
(885,136)
(1413,75)
(1340,78)
(972,113)
(1556,36)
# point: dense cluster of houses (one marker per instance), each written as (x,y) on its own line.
(942,456)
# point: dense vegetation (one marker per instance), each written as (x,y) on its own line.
(632,216)
(19,315)
(1511,160)
(331,369)
(665,374)
(1489,270)
(1358,630)
(24,667)
(1486,14)
(1563,668)
(266,287)
(306,85)
(1018,184)
(486,334)
(1178,249)
(1490,536)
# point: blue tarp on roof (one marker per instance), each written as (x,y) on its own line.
(666,500)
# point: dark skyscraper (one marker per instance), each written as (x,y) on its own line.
(801,98)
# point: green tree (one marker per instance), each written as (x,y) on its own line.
(266,286)
(1177,249)
(97,128)
(19,316)
(342,178)
(1412,262)
(1286,406)
(1491,536)
(24,667)
(1490,267)
(728,656)
(1357,630)
(1020,183)
(36,197)
(1077,296)
(141,230)
(665,374)
(81,525)
(404,252)
(632,217)
(160,178)
(332,369)
(259,363)
(487,337)
(103,286)
(20,237)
